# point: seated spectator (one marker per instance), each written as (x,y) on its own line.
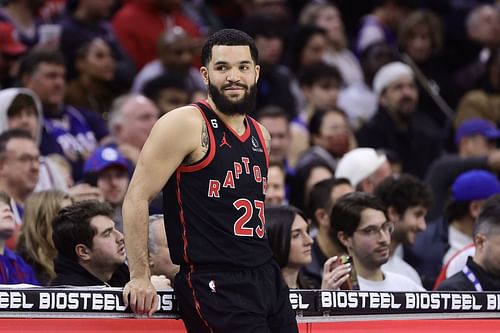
(139,24)
(421,41)
(406,199)
(455,264)
(443,238)
(168,92)
(362,227)
(35,244)
(288,234)
(20,108)
(484,101)
(482,38)
(11,50)
(68,131)
(160,262)
(90,249)
(85,21)
(305,179)
(275,79)
(382,23)
(308,47)
(176,51)
(320,85)
(482,271)
(365,168)
(131,119)
(327,16)
(93,88)
(276,188)
(326,245)
(331,138)
(22,15)
(276,121)
(358,100)
(475,140)
(19,170)
(398,126)
(13,269)
(108,170)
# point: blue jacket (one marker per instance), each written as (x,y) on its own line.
(13,269)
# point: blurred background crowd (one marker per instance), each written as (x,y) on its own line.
(357,93)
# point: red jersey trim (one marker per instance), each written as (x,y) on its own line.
(195,300)
(262,140)
(185,245)
(181,217)
(243,137)
(211,149)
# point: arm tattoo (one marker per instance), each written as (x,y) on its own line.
(204,137)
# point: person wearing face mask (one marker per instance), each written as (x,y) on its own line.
(331,137)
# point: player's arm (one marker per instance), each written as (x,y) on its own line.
(267,137)
(171,140)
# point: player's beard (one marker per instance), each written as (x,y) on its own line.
(243,106)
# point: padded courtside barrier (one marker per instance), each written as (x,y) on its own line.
(101,310)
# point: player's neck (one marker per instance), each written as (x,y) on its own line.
(236,122)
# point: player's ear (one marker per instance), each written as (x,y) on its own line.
(257,73)
(204,74)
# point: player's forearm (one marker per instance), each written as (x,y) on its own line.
(135,226)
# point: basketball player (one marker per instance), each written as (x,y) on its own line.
(211,160)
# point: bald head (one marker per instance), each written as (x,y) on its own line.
(131,119)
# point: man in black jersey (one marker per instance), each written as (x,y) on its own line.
(211,161)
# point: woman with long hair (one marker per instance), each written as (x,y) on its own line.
(288,234)
(35,243)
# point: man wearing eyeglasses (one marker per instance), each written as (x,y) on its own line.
(362,227)
(19,170)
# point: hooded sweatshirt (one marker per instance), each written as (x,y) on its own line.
(50,175)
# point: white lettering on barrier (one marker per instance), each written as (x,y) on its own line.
(297,303)
(435,301)
(354,300)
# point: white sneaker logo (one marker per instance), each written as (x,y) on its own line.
(211,284)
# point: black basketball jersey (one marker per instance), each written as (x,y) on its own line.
(214,209)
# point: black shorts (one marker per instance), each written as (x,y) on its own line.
(249,300)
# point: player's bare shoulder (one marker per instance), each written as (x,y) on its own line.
(177,130)
(267,137)
(190,125)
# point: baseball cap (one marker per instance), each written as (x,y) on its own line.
(359,164)
(475,185)
(388,74)
(8,42)
(472,127)
(102,158)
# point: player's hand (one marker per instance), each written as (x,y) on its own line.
(334,273)
(140,295)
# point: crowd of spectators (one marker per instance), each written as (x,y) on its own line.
(395,100)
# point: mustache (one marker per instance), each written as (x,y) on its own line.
(228,85)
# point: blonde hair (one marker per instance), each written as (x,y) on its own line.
(35,239)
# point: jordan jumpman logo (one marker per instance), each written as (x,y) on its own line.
(224,141)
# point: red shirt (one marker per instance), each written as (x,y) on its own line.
(138,25)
